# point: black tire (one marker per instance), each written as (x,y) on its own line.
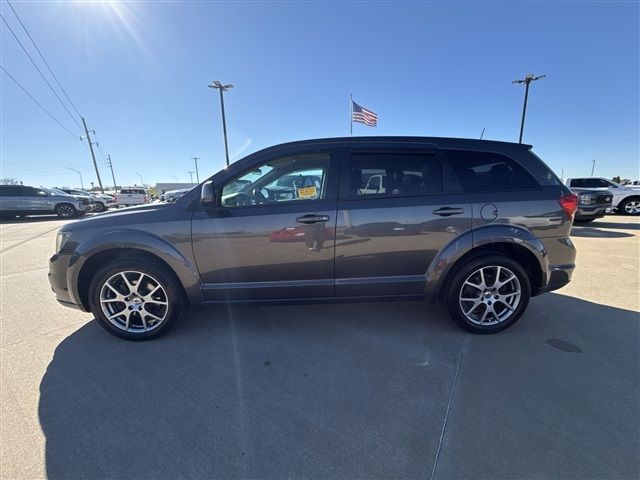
(583,220)
(66,210)
(622,207)
(158,273)
(454,291)
(99,207)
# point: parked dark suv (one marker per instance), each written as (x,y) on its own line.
(481,225)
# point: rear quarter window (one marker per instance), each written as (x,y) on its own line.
(488,171)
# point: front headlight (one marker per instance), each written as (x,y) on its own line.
(61,239)
(585,199)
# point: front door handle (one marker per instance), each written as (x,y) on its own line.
(448,211)
(311,218)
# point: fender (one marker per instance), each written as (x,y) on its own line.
(148,242)
(485,235)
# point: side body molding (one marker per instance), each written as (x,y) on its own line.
(181,265)
(478,237)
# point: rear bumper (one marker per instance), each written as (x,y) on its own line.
(561,255)
(58,274)
(559,276)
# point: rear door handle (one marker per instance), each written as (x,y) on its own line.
(311,218)
(448,211)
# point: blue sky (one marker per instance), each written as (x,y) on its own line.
(138,71)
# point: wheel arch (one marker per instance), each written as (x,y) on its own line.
(633,196)
(90,257)
(509,240)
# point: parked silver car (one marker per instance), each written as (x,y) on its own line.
(21,200)
(101,202)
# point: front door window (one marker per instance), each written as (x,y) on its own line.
(288,180)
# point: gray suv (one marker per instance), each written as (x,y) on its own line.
(20,201)
(480,225)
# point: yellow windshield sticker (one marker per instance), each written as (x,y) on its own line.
(307,192)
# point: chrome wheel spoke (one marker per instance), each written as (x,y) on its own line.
(474,285)
(500,284)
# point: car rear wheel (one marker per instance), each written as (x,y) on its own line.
(66,210)
(488,294)
(136,299)
(630,206)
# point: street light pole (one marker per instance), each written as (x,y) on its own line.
(593,166)
(82,184)
(141,182)
(223,88)
(527,80)
(195,159)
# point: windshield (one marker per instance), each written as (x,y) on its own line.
(54,191)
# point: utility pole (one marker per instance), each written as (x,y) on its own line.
(223,88)
(527,80)
(195,159)
(93,155)
(112,175)
(141,182)
(593,166)
(190,172)
(79,173)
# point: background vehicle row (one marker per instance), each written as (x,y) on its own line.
(22,200)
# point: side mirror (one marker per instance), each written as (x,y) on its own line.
(207,195)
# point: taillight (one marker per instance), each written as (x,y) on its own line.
(569,204)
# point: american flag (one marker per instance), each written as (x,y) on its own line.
(362,115)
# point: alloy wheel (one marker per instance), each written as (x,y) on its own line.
(490,295)
(134,301)
(632,207)
(66,211)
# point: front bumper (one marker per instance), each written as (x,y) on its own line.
(58,272)
(597,211)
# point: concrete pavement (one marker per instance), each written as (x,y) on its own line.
(357,390)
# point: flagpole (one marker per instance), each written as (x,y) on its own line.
(351,114)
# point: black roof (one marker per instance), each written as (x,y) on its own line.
(440,142)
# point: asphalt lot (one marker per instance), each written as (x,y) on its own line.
(358,390)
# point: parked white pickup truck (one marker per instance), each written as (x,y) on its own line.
(626,199)
(131,196)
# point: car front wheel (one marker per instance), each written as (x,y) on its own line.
(136,299)
(630,206)
(488,294)
(66,210)
(99,207)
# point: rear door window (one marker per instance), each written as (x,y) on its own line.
(10,191)
(488,171)
(394,174)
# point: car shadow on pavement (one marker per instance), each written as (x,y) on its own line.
(591,232)
(323,390)
(618,225)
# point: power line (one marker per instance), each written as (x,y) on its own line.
(42,57)
(39,71)
(38,103)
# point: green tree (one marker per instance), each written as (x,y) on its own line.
(616,179)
